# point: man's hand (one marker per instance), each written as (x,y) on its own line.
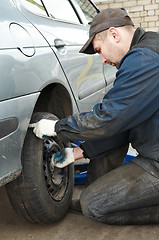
(63,158)
(78,153)
(44,127)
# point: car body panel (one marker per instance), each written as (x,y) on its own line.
(82,71)
(38,52)
(11,145)
(21,76)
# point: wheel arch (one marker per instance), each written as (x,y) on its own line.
(55,99)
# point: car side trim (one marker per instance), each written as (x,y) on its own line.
(87,91)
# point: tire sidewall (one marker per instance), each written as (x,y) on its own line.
(33,173)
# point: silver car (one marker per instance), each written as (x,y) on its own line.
(43,75)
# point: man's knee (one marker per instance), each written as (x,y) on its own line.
(86,203)
(90,204)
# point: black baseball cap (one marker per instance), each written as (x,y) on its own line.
(110,17)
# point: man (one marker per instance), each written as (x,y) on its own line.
(118,193)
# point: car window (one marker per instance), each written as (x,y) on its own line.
(34,6)
(61,10)
(88,9)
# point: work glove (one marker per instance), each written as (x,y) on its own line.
(62,158)
(44,127)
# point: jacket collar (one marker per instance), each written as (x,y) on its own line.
(137,36)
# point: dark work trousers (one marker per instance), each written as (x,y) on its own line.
(118,193)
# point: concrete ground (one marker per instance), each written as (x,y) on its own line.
(72,227)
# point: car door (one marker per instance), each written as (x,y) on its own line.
(22,53)
(66,29)
(110,75)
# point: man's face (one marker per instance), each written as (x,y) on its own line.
(108,48)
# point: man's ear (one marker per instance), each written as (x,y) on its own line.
(114,33)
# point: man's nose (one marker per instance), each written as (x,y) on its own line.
(104,61)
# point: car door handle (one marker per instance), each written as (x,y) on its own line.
(59,43)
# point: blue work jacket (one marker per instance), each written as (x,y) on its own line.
(132,105)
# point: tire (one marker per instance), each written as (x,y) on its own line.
(41,194)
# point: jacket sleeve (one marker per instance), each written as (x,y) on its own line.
(131,101)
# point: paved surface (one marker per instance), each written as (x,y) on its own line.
(72,227)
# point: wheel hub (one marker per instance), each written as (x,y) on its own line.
(56,179)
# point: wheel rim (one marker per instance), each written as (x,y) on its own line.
(56,179)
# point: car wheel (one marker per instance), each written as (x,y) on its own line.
(42,193)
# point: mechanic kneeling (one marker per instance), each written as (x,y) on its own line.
(118,193)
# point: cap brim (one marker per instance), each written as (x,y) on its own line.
(88,47)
